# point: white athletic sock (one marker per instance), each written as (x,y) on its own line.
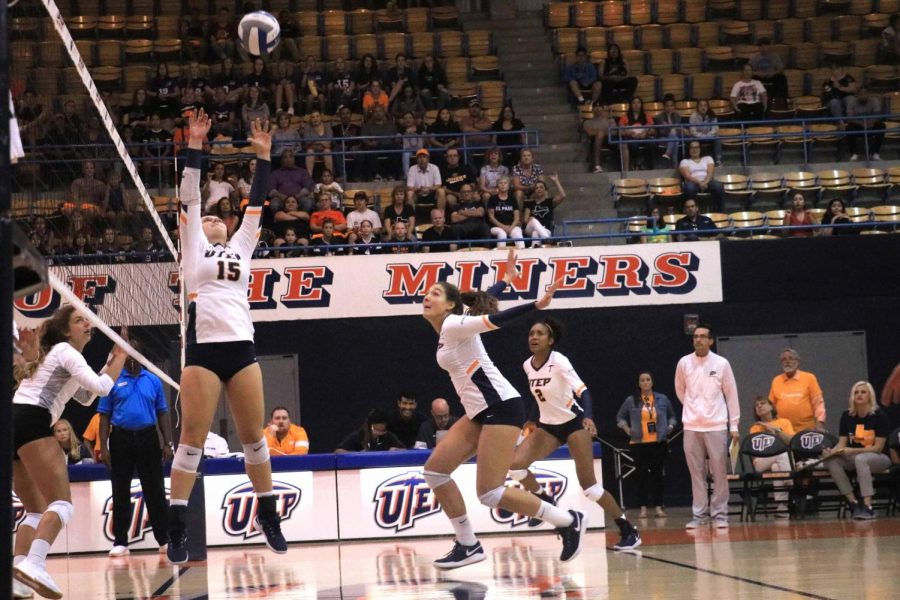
(462,526)
(38,553)
(554,515)
(18,558)
(177,502)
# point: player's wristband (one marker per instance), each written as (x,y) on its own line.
(194,158)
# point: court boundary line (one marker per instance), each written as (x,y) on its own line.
(727,575)
(169,582)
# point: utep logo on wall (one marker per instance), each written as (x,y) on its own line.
(552,483)
(811,440)
(402,500)
(140,517)
(761,442)
(240,505)
(19,512)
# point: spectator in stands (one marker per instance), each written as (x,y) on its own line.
(767,421)
(504,215)
(221,111)
(366,73)
(91,436)
(890,402)
(582,78)
(799,215)
(222,32)
(467,215)
(396,78)
(413,138)
(87,191)
(538,210)
(444,135)
(80,247)
(796,394)
(399,210)
(290,181)
(164,94)
(31,116)
(73,116)
(491,173)
(597,129)
(405,419)
(654,227)
(289,239)
(108,244)
(423,181)
(148,245)
(196,81)
(366,240)
(698,176)
(329,186)
(705,127)
(380,162)
(243,184)
(748,96)
(289,34)
(361,213)
(372,436)
(312,85)
(224,209)
(670,121)
(375,95)
(317,142)
(192,29)
(454,175)
(525,176)
(836,88)
(324,212)
(95,141)
(73,449)
(408,101)
(890,41)
(254,108)
(432,431)
(283,437)
(474,123)
(56,145)
(285,136)
(861,447)
(648,418)
(618,82)
(216,187)
(633,128)
(157,149)
(693,222)
(348,164)
(342,87)
(860,110)
(402,233)
(507,135)
(432,83)
(230,80)
(704,382)
(440,236)
(769,70)
(835,214)
(327,237)
(215,446)
(259,78)
(76,224)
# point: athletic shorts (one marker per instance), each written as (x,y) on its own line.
(29,423)
(562,431)
(225,359)
(508,412)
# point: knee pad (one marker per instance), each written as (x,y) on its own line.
(187,458)
(256,453)
(63,509)
(32,520)
(595,492)
(435,480)
(518,474)
(492,498)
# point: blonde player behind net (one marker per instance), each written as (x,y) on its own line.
(219,345)
(565,418)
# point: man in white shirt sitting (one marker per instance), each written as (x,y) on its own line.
(697,176)
(423,181)
(748,96)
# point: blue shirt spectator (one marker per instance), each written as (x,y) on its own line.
(134,401)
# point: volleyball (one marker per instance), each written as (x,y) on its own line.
(259,33)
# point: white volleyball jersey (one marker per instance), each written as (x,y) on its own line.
(477,381)
(556,386)
(63,374)
(216,276)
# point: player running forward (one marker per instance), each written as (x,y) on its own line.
(565,418)
(493,419)
(219,341)
(40,474)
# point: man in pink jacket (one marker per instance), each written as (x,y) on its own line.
(704,382)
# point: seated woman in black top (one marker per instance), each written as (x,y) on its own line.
(373,436)
(618,84)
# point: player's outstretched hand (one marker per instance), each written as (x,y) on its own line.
(261,139)
(511,270)
(548,295)
(200,124)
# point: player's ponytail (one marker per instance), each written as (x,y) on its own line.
(53,331)
(479,303)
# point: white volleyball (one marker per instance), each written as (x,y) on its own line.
(259,33)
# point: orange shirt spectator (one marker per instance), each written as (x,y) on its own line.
(283,437)
(796,395)
(91,435)
(780,423)
(374,96)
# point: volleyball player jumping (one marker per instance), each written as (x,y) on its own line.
(494,417)
(40,474)
(219,340)
(565,418)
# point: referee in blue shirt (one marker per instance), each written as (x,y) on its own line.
(135,407)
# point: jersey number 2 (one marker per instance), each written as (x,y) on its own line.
(539,394)
(233,270)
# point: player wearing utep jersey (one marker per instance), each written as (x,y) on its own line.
(219,346)
(493,419)
(565,418)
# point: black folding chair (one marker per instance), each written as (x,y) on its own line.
(756,485)
(807,445)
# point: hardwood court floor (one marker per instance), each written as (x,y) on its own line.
(771,560)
